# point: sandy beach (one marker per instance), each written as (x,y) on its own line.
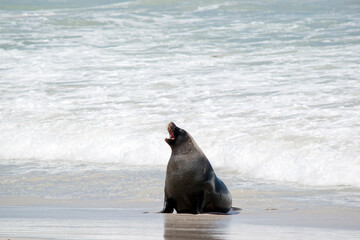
(269,211)
(138,220)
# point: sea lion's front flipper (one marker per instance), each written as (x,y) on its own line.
(168,206)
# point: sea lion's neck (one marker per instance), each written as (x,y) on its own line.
(188,147)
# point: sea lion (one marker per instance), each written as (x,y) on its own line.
(191,185)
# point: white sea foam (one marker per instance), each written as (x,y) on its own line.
(273,98)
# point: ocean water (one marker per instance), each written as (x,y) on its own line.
(270,90)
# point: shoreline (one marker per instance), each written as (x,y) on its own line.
(268,212)
(129,219)
(326,217)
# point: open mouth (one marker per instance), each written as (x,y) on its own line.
(171,129)
(171,134)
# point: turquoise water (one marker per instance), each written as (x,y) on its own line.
(270,90)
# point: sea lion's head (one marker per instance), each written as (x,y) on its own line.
(181,141)
(177,136)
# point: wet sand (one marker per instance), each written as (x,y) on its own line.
(139,220)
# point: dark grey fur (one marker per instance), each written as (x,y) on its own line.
(191,185)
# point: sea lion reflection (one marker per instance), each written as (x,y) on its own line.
(190,226)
